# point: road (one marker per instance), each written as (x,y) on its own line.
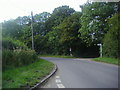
(82,73)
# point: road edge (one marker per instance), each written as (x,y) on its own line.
(45,78)
(92,59)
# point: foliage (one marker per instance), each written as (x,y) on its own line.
(23,20)
(17,58)
(26,76)
(40,44)
(42,17)
(12,29)
(63,11)
(63,29)
(58,15)
(11,44)
(94,21)
(112,38)
(68,33)
(70,27)
(63,35)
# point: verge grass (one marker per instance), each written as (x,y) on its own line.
(107,60)
(57,56)
(26,76)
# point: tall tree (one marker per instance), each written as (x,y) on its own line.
(69,28)
(69,36)
(94,20)
(65,35)
(23,20)
(42,17)
(111,46)
(58,15)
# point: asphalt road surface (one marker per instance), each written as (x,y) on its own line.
(82,73)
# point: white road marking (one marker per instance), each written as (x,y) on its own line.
(60,86)
(58,81)
(57,76)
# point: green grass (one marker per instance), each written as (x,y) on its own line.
(27,75)
(57,56)
(107,60)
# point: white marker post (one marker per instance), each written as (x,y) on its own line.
(70,52)
(100,49)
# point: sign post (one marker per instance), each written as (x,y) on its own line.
(70,52)
(100,49)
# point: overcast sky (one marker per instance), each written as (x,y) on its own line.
(11,9)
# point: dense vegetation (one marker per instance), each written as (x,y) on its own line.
(57,34)
(17,58)
(26,76)
(112,38)
(66,29)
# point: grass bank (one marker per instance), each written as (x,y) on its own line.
(57,56)
(107,60)
(27,76)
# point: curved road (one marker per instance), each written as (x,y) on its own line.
(82,73)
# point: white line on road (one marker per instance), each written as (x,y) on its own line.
(58,81)
(57,76)
(60,86)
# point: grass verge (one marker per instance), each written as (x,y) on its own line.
(27,76)
(57,56)
(107,60)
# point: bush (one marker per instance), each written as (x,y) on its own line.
(111,46)
(11,44)
(17,58)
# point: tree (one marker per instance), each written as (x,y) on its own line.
(65,35)
(42,17)
(58,15)
(12,29)
(63,11)
(40,23)
(69,28)
(94,21)
(111,46)
(11,44)
(23,20)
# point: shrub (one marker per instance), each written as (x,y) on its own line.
(17,58)
(111,46)
(11,44)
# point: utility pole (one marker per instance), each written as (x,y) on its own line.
(32,30)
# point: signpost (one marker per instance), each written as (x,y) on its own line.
(70,52)
(97,44)
(100,49)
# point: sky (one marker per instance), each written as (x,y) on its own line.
(11,9)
